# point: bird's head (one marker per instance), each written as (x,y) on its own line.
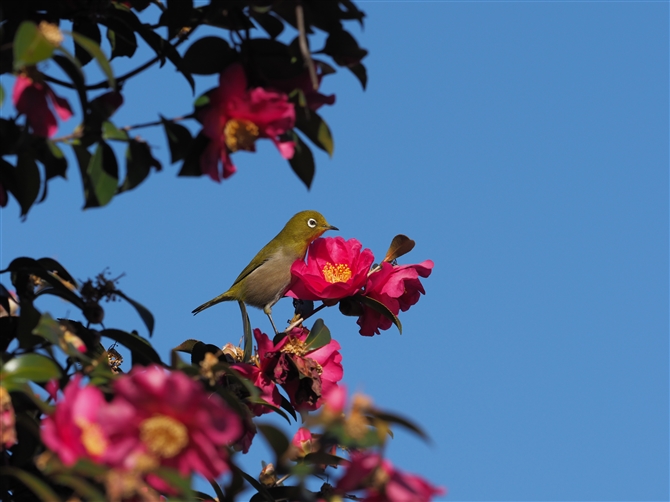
(303,228)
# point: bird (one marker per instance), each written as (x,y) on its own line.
(268,276)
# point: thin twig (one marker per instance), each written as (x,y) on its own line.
(156,122)
(301,320)
(304,47)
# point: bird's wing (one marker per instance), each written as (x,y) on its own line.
(248,269)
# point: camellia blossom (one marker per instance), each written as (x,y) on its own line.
(303,82)
(161,417)
(397,287)
(236,117)
(268,388)
(306,374)
(32,96)
(382,482)
(74,431)
(335,269)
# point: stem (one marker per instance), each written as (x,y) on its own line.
(301,320)
(157,122)
(304,47)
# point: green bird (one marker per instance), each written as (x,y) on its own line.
(265,280)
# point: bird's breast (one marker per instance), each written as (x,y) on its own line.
(268,283)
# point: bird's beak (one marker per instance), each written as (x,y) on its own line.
(331,227)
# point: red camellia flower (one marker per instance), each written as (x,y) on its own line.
(306,374)
(382,482)
(74,431)
(303,82)
(236,117)
(161,417)
(268,388)
(335,269)
(397,287)
(31,96)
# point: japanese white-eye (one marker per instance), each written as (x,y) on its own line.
(267,277)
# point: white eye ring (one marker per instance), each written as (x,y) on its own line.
(311,223)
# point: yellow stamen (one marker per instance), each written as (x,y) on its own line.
(336,273)
(92,438)
(164,436)
(294,346)
(240,134)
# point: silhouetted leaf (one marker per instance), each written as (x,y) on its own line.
(361,74)
(315,128)
(141,350)
(104,173)
(72,70)
(179,139)
(28,182)
(395,419)
(94,50)
(272,25)
(111,132)
(400,245)
(83,159)
(302,162)
(191,165)
(186,345)
(48,153)
(139,162)
(262,491)
(89,29)
(121,38)
(144,313)
(343,48)
(207,56)
(41,490)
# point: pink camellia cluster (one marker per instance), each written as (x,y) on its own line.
(306,374)
(31,96)
(156,418)
(337,269)
(382,482)
(236,117)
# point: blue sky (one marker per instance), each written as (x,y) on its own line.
(524,146)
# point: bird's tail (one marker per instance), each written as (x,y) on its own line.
(221,298)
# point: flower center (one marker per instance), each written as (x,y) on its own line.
(294,346)
(336,273)
(240,134)
(92,438)
(164,436)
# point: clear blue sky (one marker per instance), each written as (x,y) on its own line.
(524,146)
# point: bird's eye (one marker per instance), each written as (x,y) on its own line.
(311,223)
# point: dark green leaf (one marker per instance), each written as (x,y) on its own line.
(395,419)
(248,338)
(319,336)
(121,38)
(262,491)
(200,349)
(286,404)
(48,153)
(164,49)
(83,160)
(175,480)
(28,319)
(207,56)
(10,134)
(53,266)
(41,490)
(104,173)
(350,307)
(379,307)
(94,50)
(29,367)
(322,458)
(302,162)
(5,298)
(28,181)
(81,487)
(30,45)
(217,489)
(177,15)
(191,165)
(263,402)
(284,493)
(343,48)
(179,139)
(89,29)
(315,128)
(142,351)
(139,162)
(144,313)
(276,439)
(110,131)
(186,345)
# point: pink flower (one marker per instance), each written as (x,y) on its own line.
(163,417)
(382,482)
(335,269)
(74,431)
(7,420)
(303,443)
(236,117)
(397,287)
(32,96)
(268,389)
(306,374)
